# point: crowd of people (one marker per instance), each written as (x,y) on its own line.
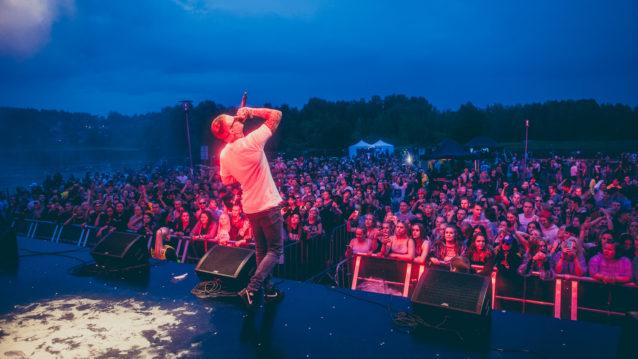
(548,216)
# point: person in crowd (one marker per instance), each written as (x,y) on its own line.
(548,228)
(507,259)
(239,226)
(609,266)
(528,214)
(105,222)
(184,226)
(294,228)
(385,236)
(512,221)
(372,233)
(400,246)
(352,223)
(422,243)
(148,227)
(404,214)
(120,217)
(480,253)
(449,247)
(205,229)
(329,211)
(359,244)
(537,259)
(477,219)
(136,221)
(175,213)
(627,248)
(313,227)
(77,217)
(596,207)
(569,259)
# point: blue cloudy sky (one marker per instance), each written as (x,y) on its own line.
(134,56)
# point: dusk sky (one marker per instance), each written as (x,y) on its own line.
(137,56)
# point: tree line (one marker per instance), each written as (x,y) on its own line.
(319,125)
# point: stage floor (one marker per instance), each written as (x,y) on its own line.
(47,310)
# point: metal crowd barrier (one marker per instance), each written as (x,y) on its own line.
(383,270)
(81,236)
(566,297)
(569,297)
(304,258)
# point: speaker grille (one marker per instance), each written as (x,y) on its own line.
(120,250)
(451,290)
(115,244)
(224,261)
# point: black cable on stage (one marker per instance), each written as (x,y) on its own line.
(211,289)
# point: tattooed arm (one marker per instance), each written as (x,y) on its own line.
(271,117)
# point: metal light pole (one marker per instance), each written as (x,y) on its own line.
(186,105)
(525,156)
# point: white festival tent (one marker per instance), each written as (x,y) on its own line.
(379,147)
(383,147)
(361,145)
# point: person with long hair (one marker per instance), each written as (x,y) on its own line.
(449,247)
(205,229)
(294,229)
(371,232)
(385,234)
(481,253)
(422,243)
(400,245)
(313,227)
(507,259)
(224,228)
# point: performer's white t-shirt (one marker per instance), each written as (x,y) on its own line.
(246,161)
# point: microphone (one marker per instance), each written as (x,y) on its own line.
(242,104)
(243,99)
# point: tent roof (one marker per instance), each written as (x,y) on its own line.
(381,143)
(449,148)
(481,141)
(362,143)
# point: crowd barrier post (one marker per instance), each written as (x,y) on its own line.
(407,272)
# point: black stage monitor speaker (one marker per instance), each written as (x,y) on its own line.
(233,266)
(462,300)
(8,244)
(120,250)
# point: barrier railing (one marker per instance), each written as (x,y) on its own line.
(386,271)
(566,297)
(570,297)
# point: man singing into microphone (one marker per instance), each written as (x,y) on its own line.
(243,160)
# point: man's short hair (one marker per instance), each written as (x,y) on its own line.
(218,127)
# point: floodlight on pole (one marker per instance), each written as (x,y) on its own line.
(187,105)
